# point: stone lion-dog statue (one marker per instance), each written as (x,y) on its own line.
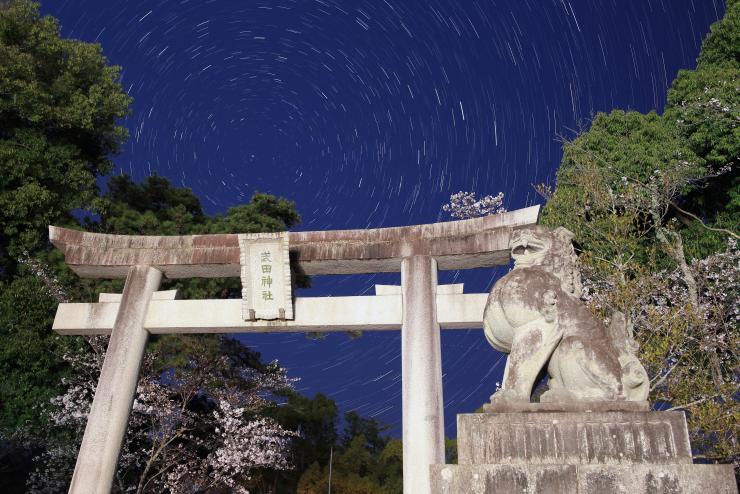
(535,314)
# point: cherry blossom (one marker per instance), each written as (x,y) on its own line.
(191,429)
(464,205)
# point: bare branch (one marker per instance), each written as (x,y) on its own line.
(693,403)
(692,215)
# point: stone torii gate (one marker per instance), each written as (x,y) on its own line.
(419,307)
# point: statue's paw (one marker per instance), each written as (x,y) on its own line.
(505,400)
(507,396)
(558,396)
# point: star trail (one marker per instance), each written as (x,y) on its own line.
(370,113)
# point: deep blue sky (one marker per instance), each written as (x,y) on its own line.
(370,113)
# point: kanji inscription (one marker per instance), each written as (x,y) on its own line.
(265,273)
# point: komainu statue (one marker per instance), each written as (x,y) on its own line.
(534,313)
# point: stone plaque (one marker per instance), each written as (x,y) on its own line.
(265,273)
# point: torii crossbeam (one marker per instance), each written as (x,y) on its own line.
(418,307)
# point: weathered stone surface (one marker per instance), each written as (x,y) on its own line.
(582,479)
(326,314)
(107,298)
(503,479)
(534,313)
(464,244)
(656,479)
(573,438)
(577,453)
(573,406)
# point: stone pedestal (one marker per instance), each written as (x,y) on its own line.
(533,452)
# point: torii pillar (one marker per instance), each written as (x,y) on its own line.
(114,395)
(421,310)
(421,373)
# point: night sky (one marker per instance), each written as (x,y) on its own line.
(371,113)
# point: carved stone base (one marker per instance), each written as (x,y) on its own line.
(573,438)
(579,406)
(577,453)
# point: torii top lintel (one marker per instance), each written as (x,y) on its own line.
(463,244)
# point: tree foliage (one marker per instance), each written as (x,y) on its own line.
(30,360)
(360,465)
(155,207)
(608,180)
(59,106)
(721,48)
(363,457)
(704,105)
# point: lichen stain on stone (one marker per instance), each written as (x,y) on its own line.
(662,484)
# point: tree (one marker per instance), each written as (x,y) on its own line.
(615,183)
(355,471)
(653,201)
(722,45)
(364,462)
(690,352)
(368,428)
(59,106)
(193,428)
(315,421)
(30,360)
(704,105)
(316,481)
(155,207)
